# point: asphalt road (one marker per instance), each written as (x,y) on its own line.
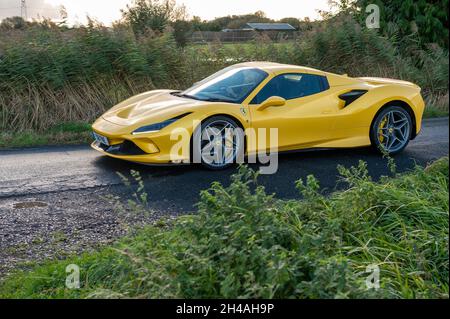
(53,170)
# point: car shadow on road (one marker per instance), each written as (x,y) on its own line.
(183,183)
(298,159)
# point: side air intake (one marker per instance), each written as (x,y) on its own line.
(352,96)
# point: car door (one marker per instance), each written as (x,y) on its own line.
(306,118)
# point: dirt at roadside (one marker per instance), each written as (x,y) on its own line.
(53,226)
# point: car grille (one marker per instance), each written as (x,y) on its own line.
(125,148)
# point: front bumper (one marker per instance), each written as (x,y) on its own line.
(151,148)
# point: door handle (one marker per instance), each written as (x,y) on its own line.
(327,111)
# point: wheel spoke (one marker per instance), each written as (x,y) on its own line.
(392,142)
(386,142)
(390,119)
(403,134)
(402,120)
(228,126)
(402,125)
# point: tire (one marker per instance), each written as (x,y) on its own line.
(391,130)
(214,145)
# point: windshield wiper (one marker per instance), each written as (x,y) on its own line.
(179,94)
(211,99)
(208,99)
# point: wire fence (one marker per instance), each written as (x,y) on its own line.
(241,36)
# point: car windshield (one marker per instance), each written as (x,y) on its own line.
(231,85)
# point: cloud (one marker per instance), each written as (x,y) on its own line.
(35,9)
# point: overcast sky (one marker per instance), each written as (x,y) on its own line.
(109,10)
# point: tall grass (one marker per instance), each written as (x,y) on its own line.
(50,75)
(243,243)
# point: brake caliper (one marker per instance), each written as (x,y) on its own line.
(380,129)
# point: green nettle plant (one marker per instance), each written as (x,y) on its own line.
(245,243)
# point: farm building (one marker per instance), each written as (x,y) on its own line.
(275,31)
(266,27)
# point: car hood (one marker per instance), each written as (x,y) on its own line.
(150,107)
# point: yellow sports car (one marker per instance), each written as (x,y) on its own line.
(309,109)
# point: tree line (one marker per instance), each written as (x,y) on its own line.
(422,21)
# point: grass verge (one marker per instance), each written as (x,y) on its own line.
(65,133)
(432,112)
(437,106)
(245,243)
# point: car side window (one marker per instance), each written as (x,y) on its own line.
(292,86)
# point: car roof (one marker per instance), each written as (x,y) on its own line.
(272,67)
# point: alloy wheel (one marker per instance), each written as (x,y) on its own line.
(220,143)
(394,131)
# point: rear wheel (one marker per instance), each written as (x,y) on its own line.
(391,130)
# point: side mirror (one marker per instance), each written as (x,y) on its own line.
(273,101)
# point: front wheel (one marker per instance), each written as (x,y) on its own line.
(391,130)
(218,143)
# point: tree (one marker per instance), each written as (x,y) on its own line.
(260,14)
(427,19)
(13,23)
(181,31)
(144,15)
(292,21)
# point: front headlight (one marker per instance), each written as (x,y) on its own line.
(158,126)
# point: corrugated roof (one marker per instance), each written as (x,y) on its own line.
(271,26)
